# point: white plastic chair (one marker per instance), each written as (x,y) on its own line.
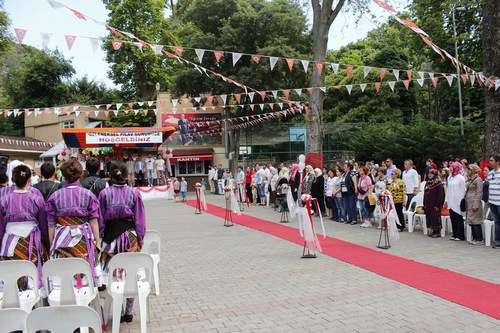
(488,229)
(63,319)
(13,320)
(152,246)
(131,285)
(415,201)
(65,270)
(11,297)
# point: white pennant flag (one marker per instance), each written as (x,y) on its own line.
(236,57)
(335,68)
(363,87)
(275,93)
(273,61)
(261,106)
(37,111)
(199,54)
(197,99)
(421,74)
(251,94)
(421,82)
(30,112)
(174,102)
(224,98)
(194,109)
(57,111)
(156,48)
(136,111)
(139,45)
(497,84)
(76,107)
(115,112)
(472,79)
(204,108)
(298,91)
(94,43)
(349,88)
(55,4)
(96,113)
(77,113)
(305,64)
(155,111)
(97,106)
(431,75)
(280,106)
(16,111)
(366,70)
(449,78)
(128,34)
(392,84)
(46,38)
(140,103)
(118,105)
(396,74)
(174,110)
(150,103)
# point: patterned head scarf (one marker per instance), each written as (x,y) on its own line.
(457,168)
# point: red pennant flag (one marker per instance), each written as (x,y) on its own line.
(131,105)
(310,90)
(479,80)
(145,112)
(252,106)
(47,111)
(218,55)
(386,6)
(116,44)
(168,54)
(377,86)
(431,44)
(210,100)
(20,33)
(464,78)
(290,63)
(178,50)
(143,43)
(256,58)
(271,105)
(435,82)
(108,106)
(78,14)
(319,67)
(238,98)
(114,31)
(262,95)
(70,40)
(349,69)
(286,92)
(382,72)
(407,84)
(126,111)
(409,74)
(87,113)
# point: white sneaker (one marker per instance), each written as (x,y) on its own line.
(366,225)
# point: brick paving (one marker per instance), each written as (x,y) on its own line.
(217,279)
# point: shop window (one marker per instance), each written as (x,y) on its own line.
(191,168)
(68,124)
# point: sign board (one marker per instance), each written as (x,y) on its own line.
(123,137)
(298,134)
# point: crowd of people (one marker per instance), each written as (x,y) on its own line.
(81,215)
(350,192)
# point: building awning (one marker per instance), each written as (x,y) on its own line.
(126,137)
(191,155)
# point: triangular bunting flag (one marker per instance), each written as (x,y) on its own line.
(435,82)
(218,55)
(497,84)
(309,91)
(319,67)
(262,95)
(275,93)
(155,111)
(145,111)
(366,70)
(396,74)
(377,86)
(407,84)
(199,54)
(20,33)
(136,111)
(431,75)
(382,72)
(115,112)
(140,103)
(349,69)
(335,68)
(224,99)
(78,14)
(197,100)
(409,74)
(118,105)
(305,65)
(421,82)
(116,44)
(421,74)
(138,45)
(323,89)
(363,87)
(97,106)
(94,43)
(449,78)
(45,38)
(156,48)
(116,32)
(286,93)
(96,113)
(273,61)
(178,50)
(392,84)
(252,106)
(464,78)
(108,106)
(290,63)
(472,79)
(349,88)
(256,58)
(250,95)
(261,106)
(69,41)
(236,57)
(298,91)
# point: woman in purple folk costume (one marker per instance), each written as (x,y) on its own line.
(122,221)
(23,223)
(72,217)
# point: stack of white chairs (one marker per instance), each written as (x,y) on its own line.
(13,320)
(10,297)
(63,319)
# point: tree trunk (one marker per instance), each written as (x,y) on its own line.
(491,67)
(234,147)
(323,17)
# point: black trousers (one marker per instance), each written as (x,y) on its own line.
(248,188)
(399,211)
(477,232)
(457,224)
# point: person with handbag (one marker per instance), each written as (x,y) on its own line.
(455,192)
(365,188)
(433,203)
(473,204)
(398,190)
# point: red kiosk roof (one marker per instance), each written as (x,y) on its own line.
(126,137)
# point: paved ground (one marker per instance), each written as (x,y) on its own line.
(217,279)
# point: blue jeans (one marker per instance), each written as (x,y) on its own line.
(339,207)
(495,214)
(150,177)
(350,207)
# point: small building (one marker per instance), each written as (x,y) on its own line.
(26,150)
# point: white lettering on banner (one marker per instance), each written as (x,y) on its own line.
(188,159)
(124,137)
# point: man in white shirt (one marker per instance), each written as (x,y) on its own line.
(410,177)
(150,165)
(160,169)
(139,170)
(494,195)
(211,174)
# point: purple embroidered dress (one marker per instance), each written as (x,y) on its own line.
(23,227)
(69,211)
(122,221)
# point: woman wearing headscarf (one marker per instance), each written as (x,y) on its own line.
(318,190)
(295,181)
(122,221)
(72,217)
(273,183)
(23,224)
(433,202)
(308,180)
(473,204)
(455,192)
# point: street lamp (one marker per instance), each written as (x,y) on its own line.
(460,109)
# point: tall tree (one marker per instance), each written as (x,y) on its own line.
(491,68)
(324,14)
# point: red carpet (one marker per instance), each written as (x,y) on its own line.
(458,288)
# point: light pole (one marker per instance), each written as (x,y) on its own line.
(460,108)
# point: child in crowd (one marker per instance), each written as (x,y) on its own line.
(184,186)
(203,183)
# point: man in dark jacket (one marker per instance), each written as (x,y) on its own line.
(92,182)
(48,185)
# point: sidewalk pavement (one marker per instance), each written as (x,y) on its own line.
(216,279)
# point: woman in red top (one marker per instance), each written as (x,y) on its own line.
(248,183)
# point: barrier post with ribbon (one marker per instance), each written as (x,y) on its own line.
(198,189)
(386,213)
(284,205)
(306,227)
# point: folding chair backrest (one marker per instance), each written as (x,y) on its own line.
(10,272)
(152,242)
(13,320)
(63,319)
(66,269)
(131,263)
